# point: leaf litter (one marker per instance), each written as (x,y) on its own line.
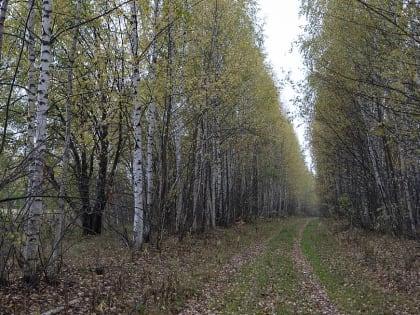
(191,277)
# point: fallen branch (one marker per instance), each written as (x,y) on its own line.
(58,309)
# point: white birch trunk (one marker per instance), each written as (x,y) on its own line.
(138,222)
(31,88)
(36,207)
(31,77)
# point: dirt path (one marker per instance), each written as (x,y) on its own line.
(215,289)
(312,295)
(312,290)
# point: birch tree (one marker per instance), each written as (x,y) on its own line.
(30,38)
(36,205)
(138,221)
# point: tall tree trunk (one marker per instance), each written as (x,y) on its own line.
(36,206)
(138,222)
(30,38)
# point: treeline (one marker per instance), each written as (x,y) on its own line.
(146,118)
(364,86)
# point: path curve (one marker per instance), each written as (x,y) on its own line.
(312,289)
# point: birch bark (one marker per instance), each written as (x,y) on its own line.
(30,38)
(36,206)
(31,88)
(138,222)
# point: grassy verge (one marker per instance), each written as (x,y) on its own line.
(268,284)
(352,273)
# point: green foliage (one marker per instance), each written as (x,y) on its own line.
(363,70)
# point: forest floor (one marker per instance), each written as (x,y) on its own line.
(285,266)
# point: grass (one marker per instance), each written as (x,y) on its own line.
(352,273)
(269,284)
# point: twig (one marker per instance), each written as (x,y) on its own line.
(60,308)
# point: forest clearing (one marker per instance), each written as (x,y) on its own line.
(247,269)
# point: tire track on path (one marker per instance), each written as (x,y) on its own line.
(312,290)
(215,289)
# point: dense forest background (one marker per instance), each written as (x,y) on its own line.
(139,118)
(363,85)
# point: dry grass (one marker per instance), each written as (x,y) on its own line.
(102,276)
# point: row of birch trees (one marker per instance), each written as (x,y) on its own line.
(363,58)
(143,118)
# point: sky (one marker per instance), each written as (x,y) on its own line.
(282,26)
